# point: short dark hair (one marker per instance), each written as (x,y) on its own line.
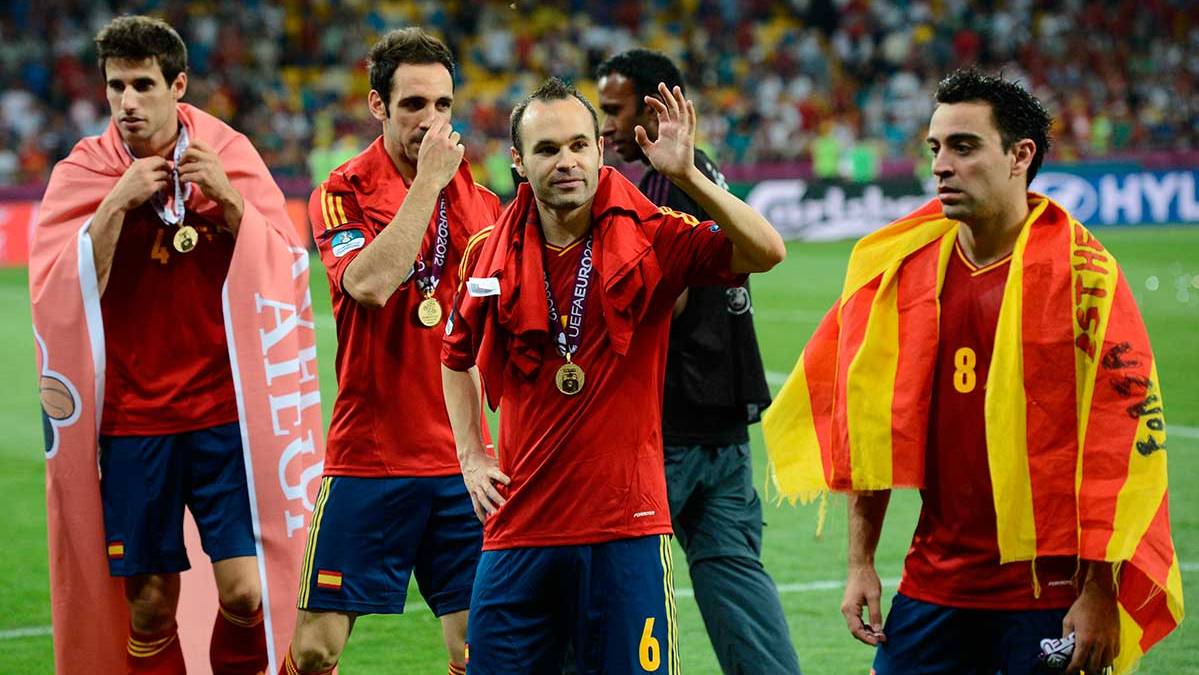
(135,38)
(404,46)
(1017,113)
(645,69)
(552,89)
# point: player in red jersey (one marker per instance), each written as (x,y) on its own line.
(567,313)
(162,242)
(391,225)
(958,609)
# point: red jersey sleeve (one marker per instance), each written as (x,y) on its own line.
(339,230)
(492,209)
(692,252)
(458,347)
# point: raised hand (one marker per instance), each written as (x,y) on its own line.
(673,153)
(201,166)
(440,154)
(140,181)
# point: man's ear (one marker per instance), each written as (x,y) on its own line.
(179,86)
(1023,152)
(517,162)
(377,106)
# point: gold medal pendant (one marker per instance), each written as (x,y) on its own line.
(569,378)
(429,312)
(186,239)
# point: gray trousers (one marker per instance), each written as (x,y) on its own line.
(717,519)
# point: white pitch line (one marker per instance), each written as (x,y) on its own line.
(32,631)
(416,605)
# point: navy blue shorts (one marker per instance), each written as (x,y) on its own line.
(368,536)
(145,481)
(927,638)
(614,601)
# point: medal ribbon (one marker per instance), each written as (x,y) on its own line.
(569,335)
(428,276)
(172,213)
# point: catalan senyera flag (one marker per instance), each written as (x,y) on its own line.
(1076,438)
(272,350)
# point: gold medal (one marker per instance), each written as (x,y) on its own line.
(186,239)
(569,379)
(429,312)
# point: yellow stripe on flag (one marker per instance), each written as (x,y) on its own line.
(1006,413)
(792,446)
(1130,643)
(1085,305)
(884,248)
(870,390)
(1143,488)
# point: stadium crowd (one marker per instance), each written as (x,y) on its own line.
(841,83)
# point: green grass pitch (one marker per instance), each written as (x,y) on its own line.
(1162,266)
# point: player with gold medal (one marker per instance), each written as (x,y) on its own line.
(429,311)
(568,330)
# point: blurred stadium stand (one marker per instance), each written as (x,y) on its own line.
(778,82)
(819,90)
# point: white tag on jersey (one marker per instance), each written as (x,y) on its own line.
(481,287)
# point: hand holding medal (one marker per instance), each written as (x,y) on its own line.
(200,165)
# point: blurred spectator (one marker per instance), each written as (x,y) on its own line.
(781,81)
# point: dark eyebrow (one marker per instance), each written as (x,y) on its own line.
(959,138)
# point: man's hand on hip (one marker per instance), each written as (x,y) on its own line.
(480,472)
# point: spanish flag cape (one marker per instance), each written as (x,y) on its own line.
(272,350)
(1075,432)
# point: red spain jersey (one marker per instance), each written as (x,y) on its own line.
(164,330)
(588,468)
(389,418)
(954,558)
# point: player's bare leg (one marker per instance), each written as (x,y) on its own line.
(453,632)
(238,635)
(153,641)
(238,585)
(152,601)
(319,639)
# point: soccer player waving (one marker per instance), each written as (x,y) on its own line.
(567,314)
(392,225)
